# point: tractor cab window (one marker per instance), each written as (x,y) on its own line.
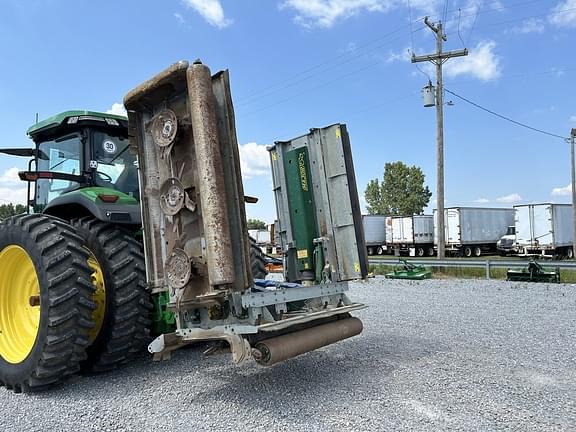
(61,155)
(115,166)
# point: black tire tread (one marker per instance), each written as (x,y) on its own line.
(257,261)
(126,329)
(69,306)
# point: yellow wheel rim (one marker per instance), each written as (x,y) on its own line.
(19,304)
(99,296)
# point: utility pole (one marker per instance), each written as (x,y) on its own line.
(439,58)
(572,144)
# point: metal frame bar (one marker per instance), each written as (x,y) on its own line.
(286,295)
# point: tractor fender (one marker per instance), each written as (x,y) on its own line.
(76,205)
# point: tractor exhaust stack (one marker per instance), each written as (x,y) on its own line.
(211,177)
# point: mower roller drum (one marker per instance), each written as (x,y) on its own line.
(123,303)
(45,302)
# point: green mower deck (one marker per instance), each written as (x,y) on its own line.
(406,270)
(534,272)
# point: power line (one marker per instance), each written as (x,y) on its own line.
(504,117)
(273,88)
(304,92)
(338,66)
(412,40)
(459,35)
(362,50)
(472,27)
(498,7)
(548,71)
(445,10)
(526,18)
(328,61)
(349,114)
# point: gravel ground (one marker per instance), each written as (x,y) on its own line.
(434,355)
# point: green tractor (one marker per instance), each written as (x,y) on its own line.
(73,294)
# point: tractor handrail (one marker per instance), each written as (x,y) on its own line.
(32,176)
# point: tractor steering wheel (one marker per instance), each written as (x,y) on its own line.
(104,176)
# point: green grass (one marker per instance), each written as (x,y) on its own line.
(566,276)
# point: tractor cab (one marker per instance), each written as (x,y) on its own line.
(84,167)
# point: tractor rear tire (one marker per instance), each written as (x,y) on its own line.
(257,261)
(45,302)
(122,317)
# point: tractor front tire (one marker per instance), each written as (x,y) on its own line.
(45,302)
(123,302)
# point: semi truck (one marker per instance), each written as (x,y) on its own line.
(375,233)
(507,243)
(544,229)
(473,231)
(412,235)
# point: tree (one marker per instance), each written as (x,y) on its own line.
(8,210)
(402,191)
(373,196)
(256,224)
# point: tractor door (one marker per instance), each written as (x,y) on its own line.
(61,155)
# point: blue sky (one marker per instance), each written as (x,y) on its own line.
(297,64)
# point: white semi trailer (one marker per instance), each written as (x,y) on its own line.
(374,233)
(544,229)
(472,231)
(412,235)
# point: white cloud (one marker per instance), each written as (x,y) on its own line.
(325,13)
(117,109)
(10,176)
(532,25)
(468,14)
(557,72)
(481,201)
(179,18)
(562,191)
(401,56)
(11,188)
(422,7)
(254,160)
(509,199)
(13,195)
(564,14)
(211,11)
(481,62)
(543,110)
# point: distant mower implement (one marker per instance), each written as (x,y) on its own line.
(534,272)
(407,270)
